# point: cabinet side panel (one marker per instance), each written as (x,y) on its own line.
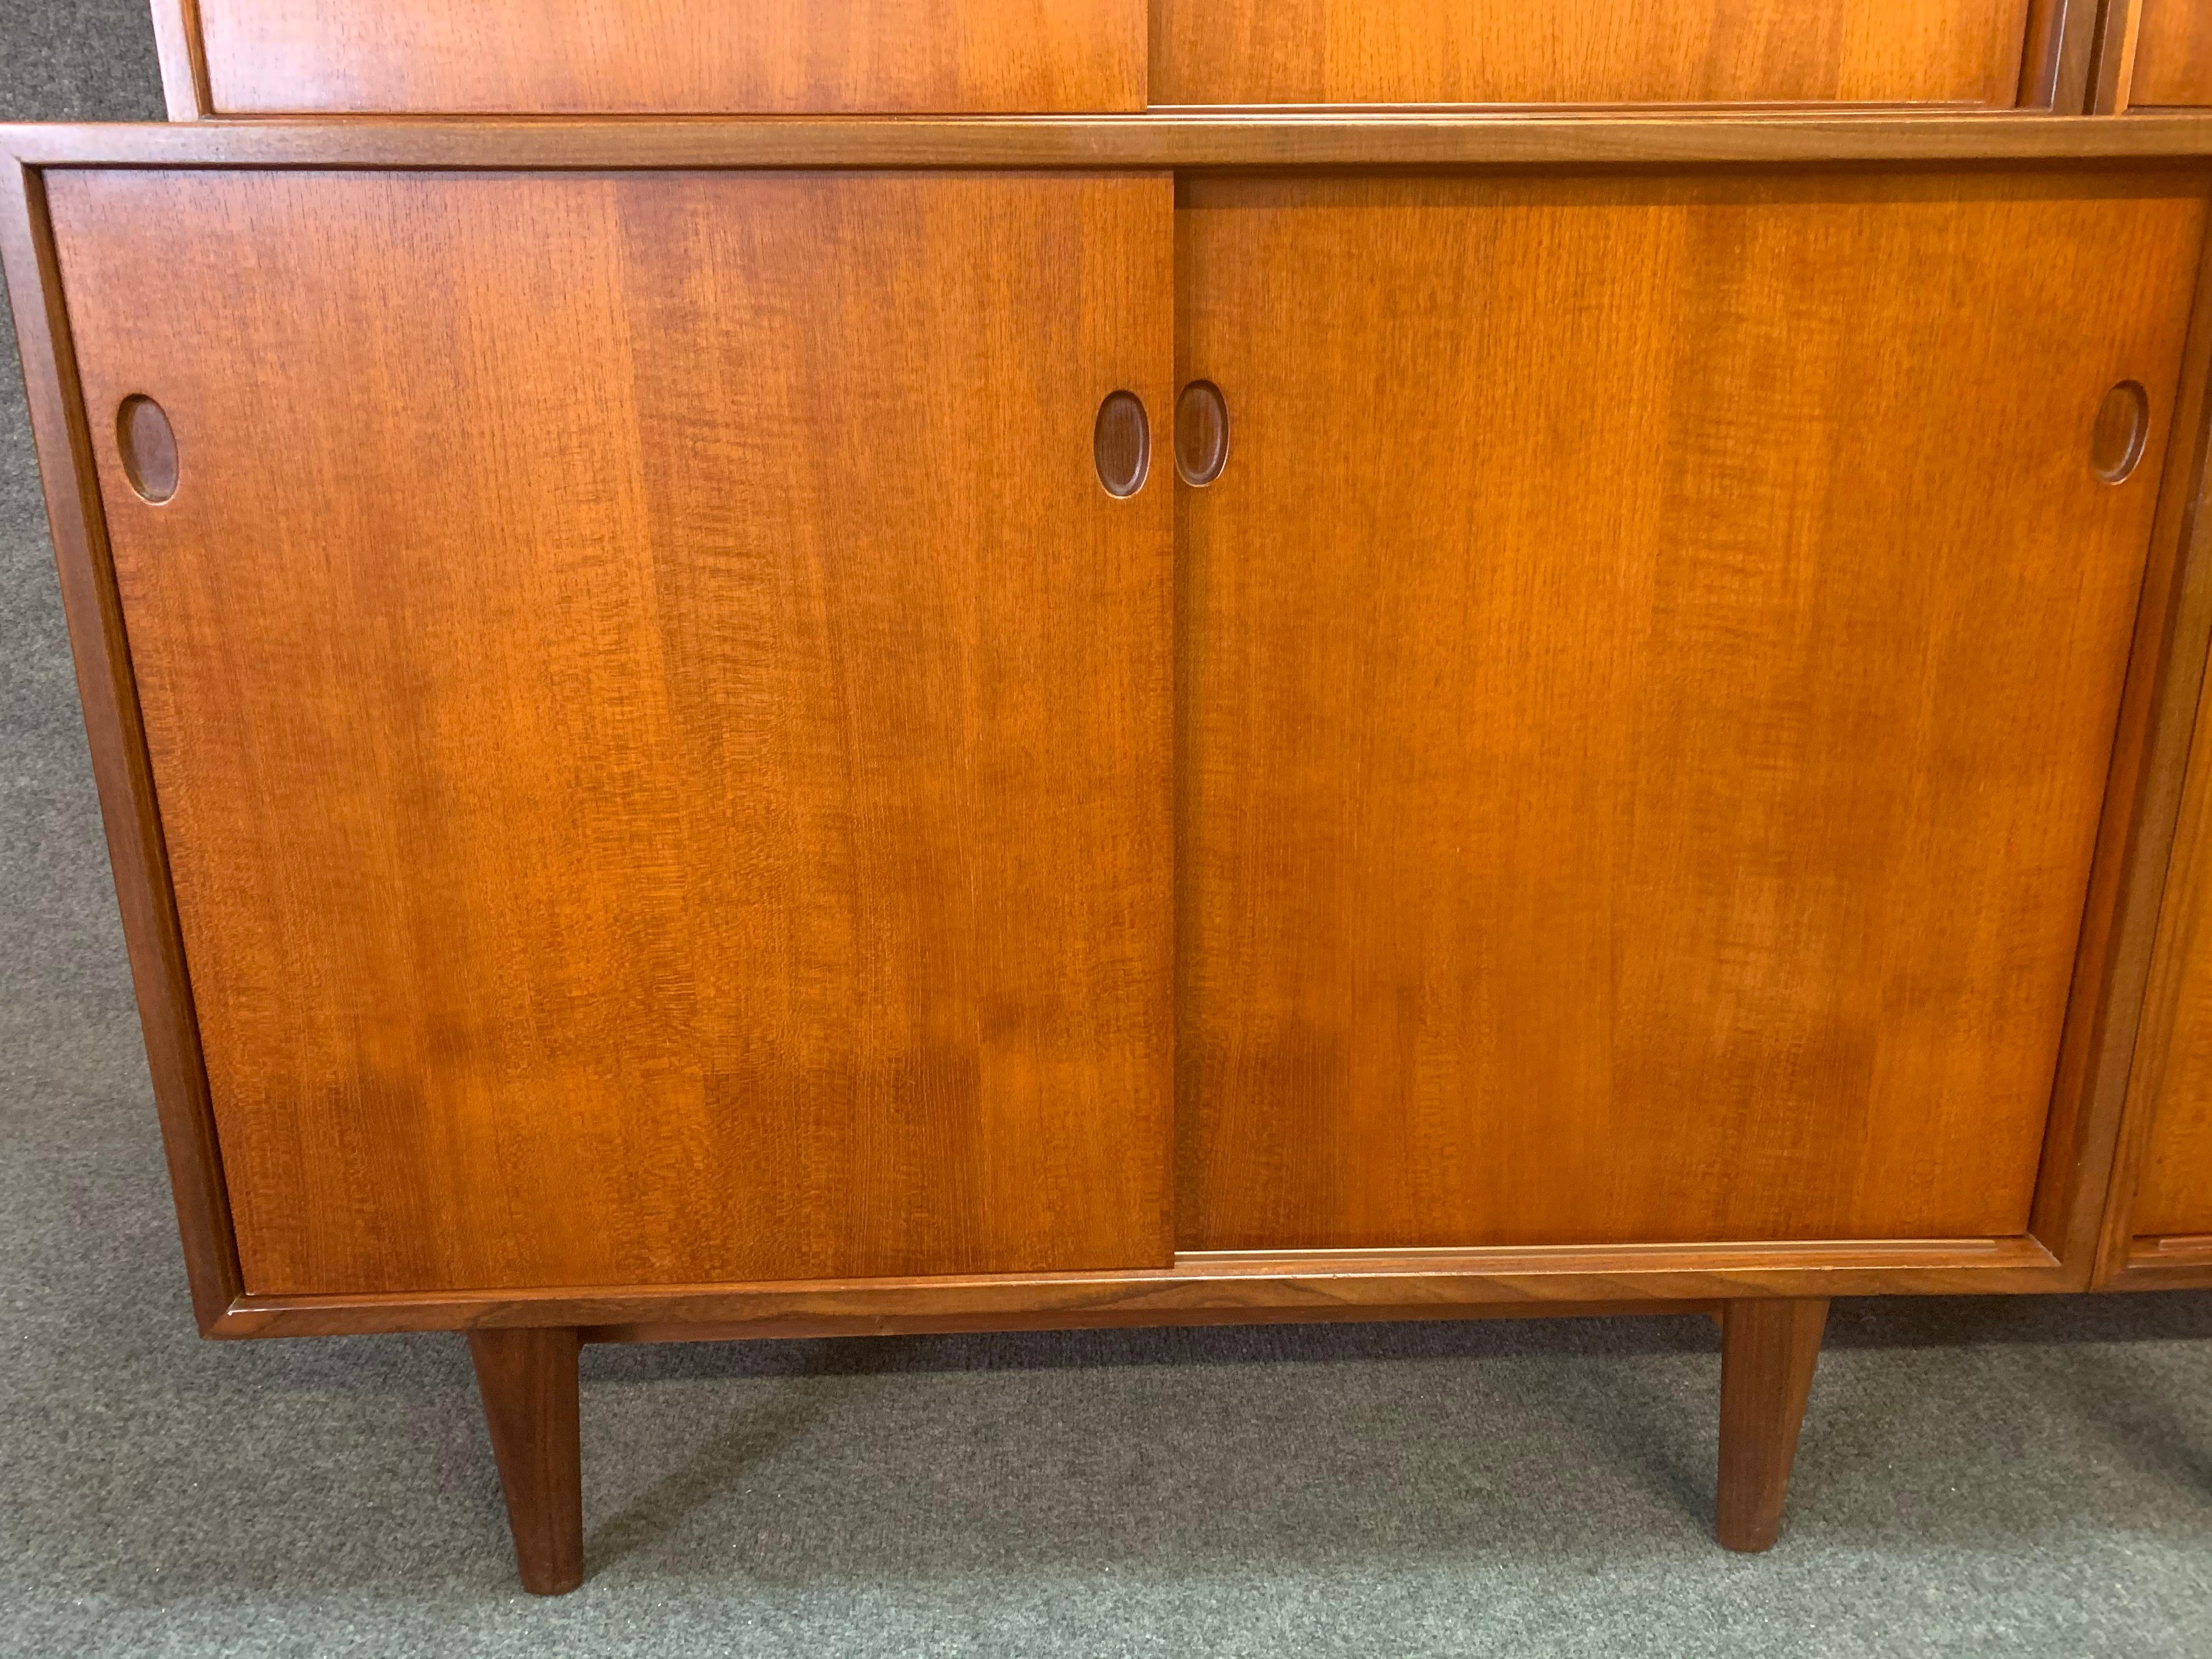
(663,741)
(2174,1195)
(184,72)
(1510,51)
(1652,664)
(672,57)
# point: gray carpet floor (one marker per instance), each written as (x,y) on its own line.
(1978,1477)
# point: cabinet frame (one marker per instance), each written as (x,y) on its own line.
(2114,959)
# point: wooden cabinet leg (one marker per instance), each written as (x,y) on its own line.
(528,1381)
(1768,1350)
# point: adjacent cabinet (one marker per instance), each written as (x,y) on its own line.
(1048,715)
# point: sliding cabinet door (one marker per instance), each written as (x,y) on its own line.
(662,737)
(1652,661)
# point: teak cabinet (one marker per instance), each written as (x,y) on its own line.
(791,726)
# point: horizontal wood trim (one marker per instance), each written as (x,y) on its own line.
(1205,1289)
(2177,1262)
(1132,141)
(747,1331)
(1581,109)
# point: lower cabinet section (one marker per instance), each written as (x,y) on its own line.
(663,738)
(694,751)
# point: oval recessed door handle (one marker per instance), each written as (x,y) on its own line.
(1121,444)
(2115,442)
(147,444)
(1201,436)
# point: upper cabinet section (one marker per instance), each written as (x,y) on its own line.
(2173,54)
(256,57)
(273,58)
(1589,51)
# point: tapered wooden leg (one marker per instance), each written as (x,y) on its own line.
(528,1381)
(1768,1350)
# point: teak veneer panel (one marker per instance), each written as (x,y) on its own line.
(662,741)
(1586,52)
(1649,676)
(2174,53)
(666,56)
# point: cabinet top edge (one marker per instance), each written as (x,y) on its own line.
(1242,140)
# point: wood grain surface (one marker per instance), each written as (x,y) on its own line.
(671,57)
(1586,52)
(2172,53)
(1639,776)
(663,741)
